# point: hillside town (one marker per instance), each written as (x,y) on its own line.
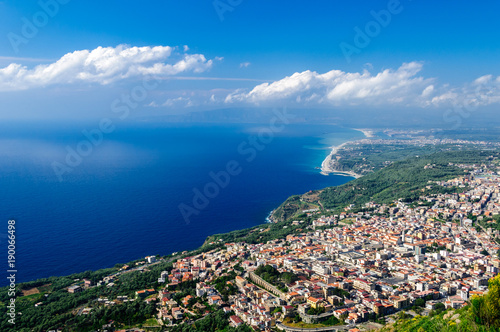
(346,270)
(355,267)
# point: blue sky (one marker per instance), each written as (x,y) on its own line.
(448,47)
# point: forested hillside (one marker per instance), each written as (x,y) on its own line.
(482,315)
(403,179)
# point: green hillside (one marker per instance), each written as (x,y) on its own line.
(401,180)
(483,314)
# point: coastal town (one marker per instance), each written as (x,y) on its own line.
(349,271)
(396,140)
(356,267)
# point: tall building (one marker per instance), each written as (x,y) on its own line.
(419,250)
(464,294)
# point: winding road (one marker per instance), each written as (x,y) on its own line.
(298,329)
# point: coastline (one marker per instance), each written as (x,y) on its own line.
(269,218)
(367,132)
(326,167)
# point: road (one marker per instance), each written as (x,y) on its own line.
(328,328)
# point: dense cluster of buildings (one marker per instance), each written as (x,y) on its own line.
(357,266)
(354,266)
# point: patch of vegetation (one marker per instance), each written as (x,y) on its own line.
(316,311)
(365,158)
(57,307)
(225,285)
(274,277)
(217,321)
(407,180)
(482,315)
(297,323)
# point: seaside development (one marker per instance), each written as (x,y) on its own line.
(326,166)
(420,258)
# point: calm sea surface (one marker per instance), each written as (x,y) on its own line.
(122,201)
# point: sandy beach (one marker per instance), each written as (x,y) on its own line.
(326,167)
(367,132)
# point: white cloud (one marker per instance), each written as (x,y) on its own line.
(337,87)
(179,102)
(428,91)
(103,65)
(245,64)
(447,97)
(152,104)
(174,103)
(483,91)
(399,87)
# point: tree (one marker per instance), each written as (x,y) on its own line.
(486,308)
(403,315)
(278,309)
(484,252)
(315,311)
(419,302)
(331,321)
(439,307)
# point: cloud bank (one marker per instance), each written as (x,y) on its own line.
(103,65)
(483,91)
(399,87)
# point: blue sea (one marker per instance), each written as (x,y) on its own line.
(121,201)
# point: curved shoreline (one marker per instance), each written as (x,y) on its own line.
(326,165)
(369,133)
